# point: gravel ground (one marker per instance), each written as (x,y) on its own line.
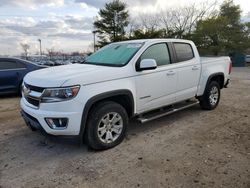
(191,148)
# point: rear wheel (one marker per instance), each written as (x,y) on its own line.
(211,96)
(106,126)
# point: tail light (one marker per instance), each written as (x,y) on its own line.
(230,67)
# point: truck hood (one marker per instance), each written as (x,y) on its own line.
(74,74)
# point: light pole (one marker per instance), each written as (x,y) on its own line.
(115,20)
(40,41)
(94,32)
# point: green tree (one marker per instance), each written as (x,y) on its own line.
(148,34)
(209,35)
(223,33)
(113,20)
(235,35)
(247,28)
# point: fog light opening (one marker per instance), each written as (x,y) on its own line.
(57,123)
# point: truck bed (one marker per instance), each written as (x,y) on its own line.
(213,59)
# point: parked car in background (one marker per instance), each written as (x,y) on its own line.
(247,58)
(46,63)
(12,71)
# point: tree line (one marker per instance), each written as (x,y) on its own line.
(215,32)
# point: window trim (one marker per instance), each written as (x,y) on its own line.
(169,52)
(1,70)
(175,52)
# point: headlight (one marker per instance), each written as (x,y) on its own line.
(59,94)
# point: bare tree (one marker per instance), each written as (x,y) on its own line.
(166,19)
(183,20)
(51,52)
(173,22)
(132,26)
(143,26)
(25,48)
(149,22)
(90,48)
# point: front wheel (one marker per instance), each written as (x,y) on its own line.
(106,126)
(211,96)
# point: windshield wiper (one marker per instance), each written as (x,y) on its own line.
(103,64)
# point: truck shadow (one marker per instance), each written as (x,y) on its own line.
(9,96)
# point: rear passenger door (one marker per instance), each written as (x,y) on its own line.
(10,73)
(188,69)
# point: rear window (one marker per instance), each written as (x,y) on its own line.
(184,51)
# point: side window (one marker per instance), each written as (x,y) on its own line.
(20,65)
(158,52)
(10,65)
(184,51)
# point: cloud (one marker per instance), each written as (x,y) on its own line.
(33,4)
(246,18)
(60,26)
(17,21)
(76,35)
(131,3)
(64,32)
(77,22)
(94,3)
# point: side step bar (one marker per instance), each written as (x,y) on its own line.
(175,108)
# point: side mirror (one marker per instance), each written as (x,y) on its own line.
(147,64)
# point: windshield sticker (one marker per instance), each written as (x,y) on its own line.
(134,45)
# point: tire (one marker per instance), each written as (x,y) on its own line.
(211,96)
(103,133)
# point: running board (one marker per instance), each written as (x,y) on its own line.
(163,112)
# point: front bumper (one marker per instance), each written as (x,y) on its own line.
(227,82)
(31,121)
(35,118)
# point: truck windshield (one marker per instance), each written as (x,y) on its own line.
(118,54)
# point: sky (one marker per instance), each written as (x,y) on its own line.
(66,25)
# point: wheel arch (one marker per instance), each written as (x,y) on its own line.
(122,97)
(219,77)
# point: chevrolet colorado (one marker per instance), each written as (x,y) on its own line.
(145,79)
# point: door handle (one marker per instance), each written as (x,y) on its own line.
(195,68)
(170,73)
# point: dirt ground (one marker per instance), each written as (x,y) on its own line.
(191,148)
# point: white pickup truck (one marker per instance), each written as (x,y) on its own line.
(144,79)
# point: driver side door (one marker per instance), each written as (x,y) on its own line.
(156,88)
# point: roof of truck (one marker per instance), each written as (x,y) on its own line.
(154,40)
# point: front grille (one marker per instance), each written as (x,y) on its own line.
(32,101)
(34,88)
(28,89)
